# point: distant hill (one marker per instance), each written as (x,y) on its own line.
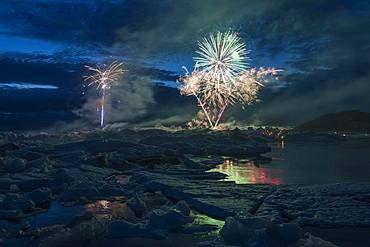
(346,121)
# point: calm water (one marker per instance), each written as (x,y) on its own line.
(312,163)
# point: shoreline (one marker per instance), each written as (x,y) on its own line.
(137,179)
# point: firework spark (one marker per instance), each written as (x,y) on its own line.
(103,79)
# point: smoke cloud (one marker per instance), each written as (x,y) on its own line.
(125,101)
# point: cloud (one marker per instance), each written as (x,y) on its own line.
(22,85)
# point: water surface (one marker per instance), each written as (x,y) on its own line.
(305,163)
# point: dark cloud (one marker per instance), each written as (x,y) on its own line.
(327,66)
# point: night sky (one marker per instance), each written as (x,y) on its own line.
(323,47)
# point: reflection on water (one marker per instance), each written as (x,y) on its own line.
(103,209)
(281,145)
(246,172)
(55,215)
(202,219)
(305,163)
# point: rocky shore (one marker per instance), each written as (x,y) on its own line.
(151,187)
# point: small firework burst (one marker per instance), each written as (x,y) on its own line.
(103,79)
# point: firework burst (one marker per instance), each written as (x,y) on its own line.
(222,56)
(103,79)
(221,59)
(222,76)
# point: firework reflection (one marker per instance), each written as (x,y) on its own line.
(246,172)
